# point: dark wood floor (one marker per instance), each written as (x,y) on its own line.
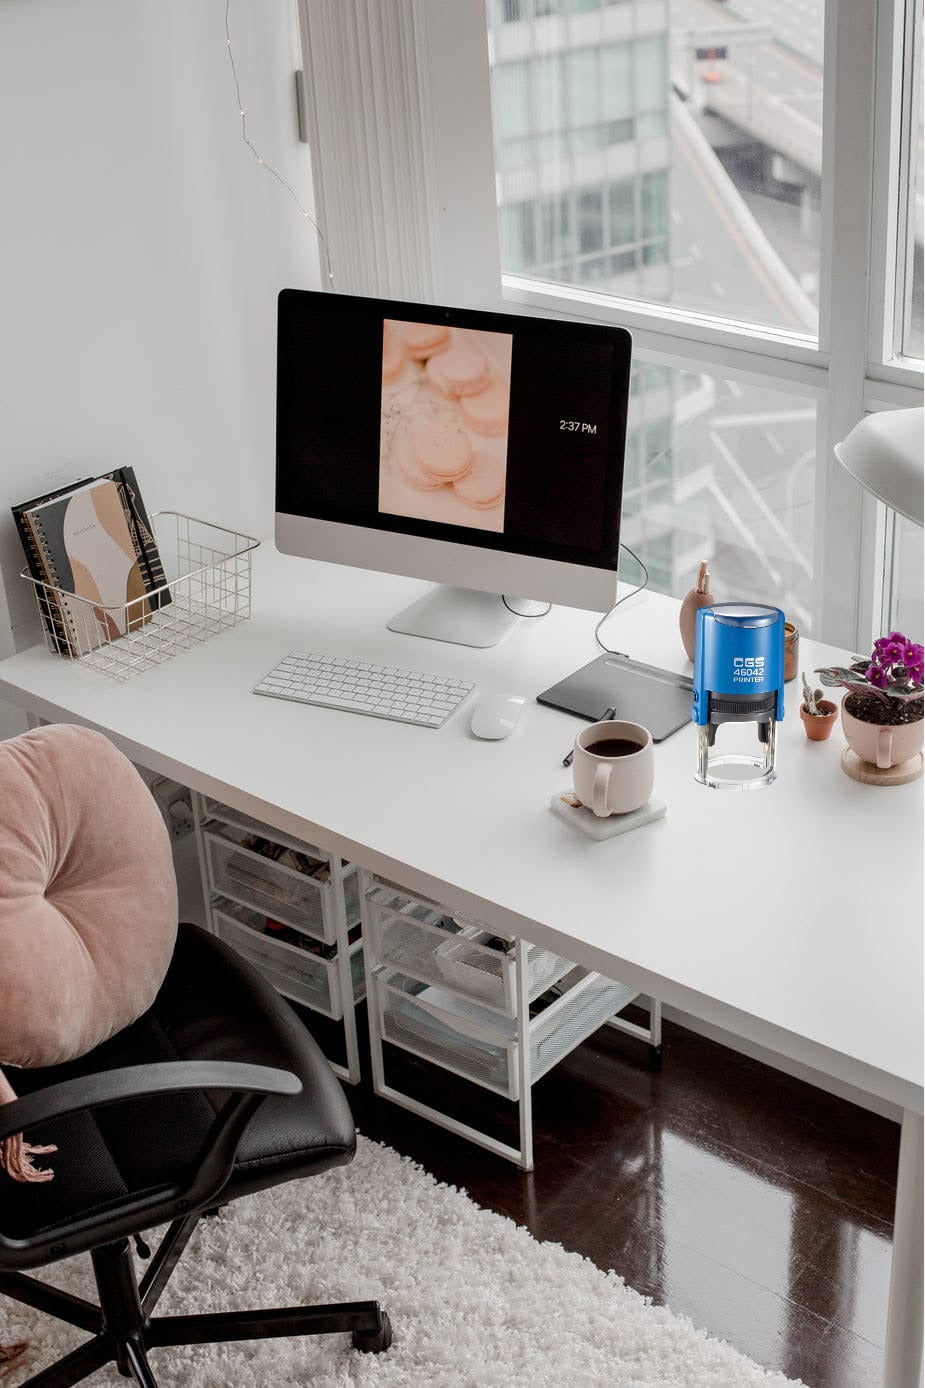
(755,1204)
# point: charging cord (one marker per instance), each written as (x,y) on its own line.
(607,615)
(631,594)
(526,614)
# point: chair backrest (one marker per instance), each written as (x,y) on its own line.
(88,895)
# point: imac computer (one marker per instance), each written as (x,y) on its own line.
(481,450)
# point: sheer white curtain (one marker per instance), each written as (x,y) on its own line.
(404,189)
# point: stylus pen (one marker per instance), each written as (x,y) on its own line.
(608,713)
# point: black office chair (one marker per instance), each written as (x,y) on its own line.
(216,1092)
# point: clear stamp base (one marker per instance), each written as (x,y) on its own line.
(736,772)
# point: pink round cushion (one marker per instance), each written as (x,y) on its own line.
(88,895)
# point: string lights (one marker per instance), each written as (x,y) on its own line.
(257,155)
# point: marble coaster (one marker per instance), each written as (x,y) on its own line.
(596,828)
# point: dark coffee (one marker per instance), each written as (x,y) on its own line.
(614,747)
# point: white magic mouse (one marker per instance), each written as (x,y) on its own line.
(495,715)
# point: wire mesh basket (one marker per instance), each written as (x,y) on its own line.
(207,590)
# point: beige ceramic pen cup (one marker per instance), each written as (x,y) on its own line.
(614,767)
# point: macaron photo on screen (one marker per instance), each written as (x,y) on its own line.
(443,433)
(444,426)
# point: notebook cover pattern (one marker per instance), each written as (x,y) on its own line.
(88,552)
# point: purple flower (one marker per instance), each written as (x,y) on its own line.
(894,653)
(895,660)
(915,661)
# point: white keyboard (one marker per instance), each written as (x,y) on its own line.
(404,696)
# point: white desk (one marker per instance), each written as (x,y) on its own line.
(790,917)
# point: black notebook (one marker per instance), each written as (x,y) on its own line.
(658,699)
(139,525)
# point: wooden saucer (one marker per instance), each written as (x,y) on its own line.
(899,775)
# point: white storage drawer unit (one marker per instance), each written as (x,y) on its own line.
(500,1013)
(288,907)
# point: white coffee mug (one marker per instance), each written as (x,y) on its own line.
(614,767)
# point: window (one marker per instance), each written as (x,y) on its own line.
(706,194)
(717,114)
(704,480)
(898,604)
(661,164)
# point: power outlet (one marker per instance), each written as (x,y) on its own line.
(176,805)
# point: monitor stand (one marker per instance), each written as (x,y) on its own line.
(463,616)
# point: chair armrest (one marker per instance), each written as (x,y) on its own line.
(207,1174)
(136,1081)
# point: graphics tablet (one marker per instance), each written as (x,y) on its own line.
(658,699)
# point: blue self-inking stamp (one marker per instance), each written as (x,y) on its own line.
(738,678)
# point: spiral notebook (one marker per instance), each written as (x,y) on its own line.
(143,540)
(86,550)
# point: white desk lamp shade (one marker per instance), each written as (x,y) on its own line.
(885,453)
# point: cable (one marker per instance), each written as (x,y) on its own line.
(260,160)
(531,615)
(631,594)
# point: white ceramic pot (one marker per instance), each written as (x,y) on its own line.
(882,744)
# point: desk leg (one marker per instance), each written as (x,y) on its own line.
(524,1067)
(903,1359)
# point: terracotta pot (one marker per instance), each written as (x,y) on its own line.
(882,744)
(819,725)
(791,651)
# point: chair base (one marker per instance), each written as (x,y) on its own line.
(125,1330)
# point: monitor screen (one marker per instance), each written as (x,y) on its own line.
(484,436)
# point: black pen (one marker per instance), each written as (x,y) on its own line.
(608,713)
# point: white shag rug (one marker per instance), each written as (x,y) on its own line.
(475,1300)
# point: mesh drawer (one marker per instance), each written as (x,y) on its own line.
(291,897)
(432,947)
(553,1034)
(390,898)
(216,809)
(471,1049)
(308,978)
(411,1026)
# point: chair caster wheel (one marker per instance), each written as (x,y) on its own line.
(374,1341)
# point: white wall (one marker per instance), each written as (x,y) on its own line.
(141,251)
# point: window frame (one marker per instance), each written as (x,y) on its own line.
(897,102)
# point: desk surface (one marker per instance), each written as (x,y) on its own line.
(790,916)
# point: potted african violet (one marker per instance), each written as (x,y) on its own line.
(818,714)
(882,712)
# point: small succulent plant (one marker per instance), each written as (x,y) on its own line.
(811,698)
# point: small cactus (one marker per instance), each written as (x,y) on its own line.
(811,697)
